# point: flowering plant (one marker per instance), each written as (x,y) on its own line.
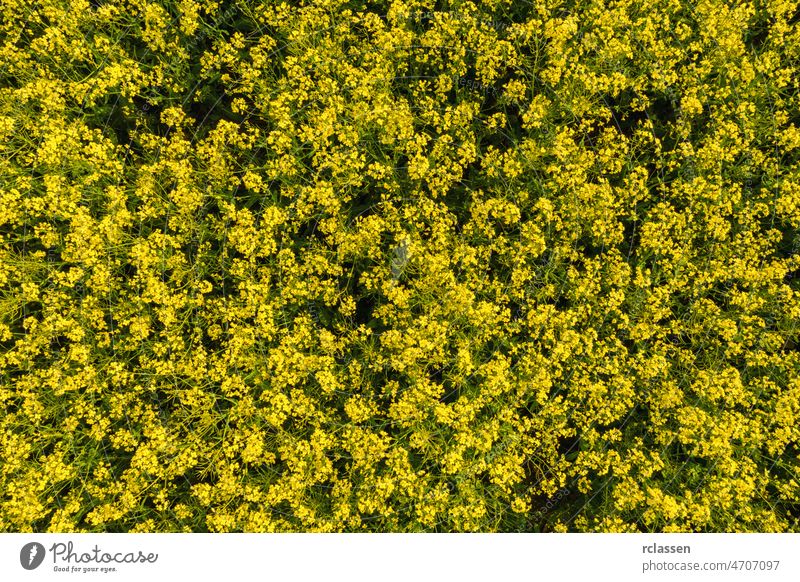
(399,266)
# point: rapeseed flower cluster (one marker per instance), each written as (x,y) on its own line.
(401,265)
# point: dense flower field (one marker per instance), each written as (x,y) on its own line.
(399,266)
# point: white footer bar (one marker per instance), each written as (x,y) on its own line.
(411,557)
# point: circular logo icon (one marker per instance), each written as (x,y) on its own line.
(31,555)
